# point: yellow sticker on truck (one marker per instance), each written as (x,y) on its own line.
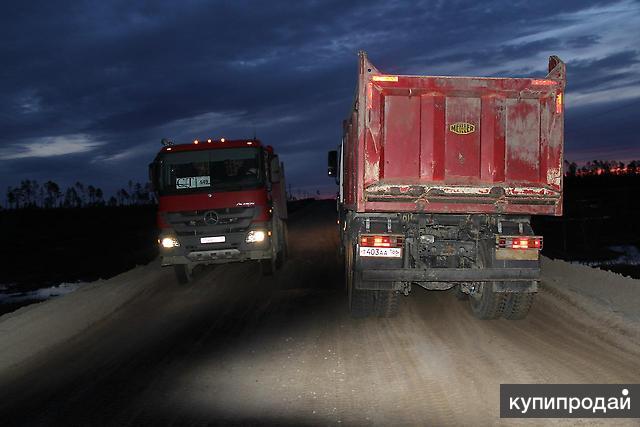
(462,128)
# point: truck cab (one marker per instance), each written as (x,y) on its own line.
(219,201)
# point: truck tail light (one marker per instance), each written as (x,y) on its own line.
(519,242)
(381,241)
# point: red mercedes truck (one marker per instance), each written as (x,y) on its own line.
(438,179)
(219,201)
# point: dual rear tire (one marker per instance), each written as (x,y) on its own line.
(184,273)
(487,304)
(270,265)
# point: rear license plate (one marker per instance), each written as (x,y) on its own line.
(381,252)
(214,239)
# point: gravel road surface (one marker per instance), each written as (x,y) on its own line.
(235,347)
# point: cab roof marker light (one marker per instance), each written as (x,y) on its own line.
(209,140)
(221,139)
(195,141)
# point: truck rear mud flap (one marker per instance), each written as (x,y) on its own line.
(452,275)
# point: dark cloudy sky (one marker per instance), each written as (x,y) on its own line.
(88,90)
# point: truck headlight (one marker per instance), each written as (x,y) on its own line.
(169,242)
(255,236)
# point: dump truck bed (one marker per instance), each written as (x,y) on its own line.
(455,144)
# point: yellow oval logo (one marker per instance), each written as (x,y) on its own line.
(462,128)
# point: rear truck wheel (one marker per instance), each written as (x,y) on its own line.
(268,266)
(485,303)
(285,241)
(283,252)
(386,303)
(361,302)
(184,273)
(517,305)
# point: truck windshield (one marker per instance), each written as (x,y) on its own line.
(227,169)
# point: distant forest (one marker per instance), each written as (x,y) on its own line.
(31,194)
(602,167)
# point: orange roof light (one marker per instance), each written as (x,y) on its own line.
(384,78)
(209,140)
(195,141)
(221,139)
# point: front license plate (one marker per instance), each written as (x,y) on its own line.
(214,239)
(381,252)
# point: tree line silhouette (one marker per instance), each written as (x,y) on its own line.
(602,167)
(31,194)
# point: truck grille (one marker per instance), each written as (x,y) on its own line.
(224,220)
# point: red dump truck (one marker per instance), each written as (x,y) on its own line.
(219,201)
(438,178)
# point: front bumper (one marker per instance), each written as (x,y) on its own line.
(234,248)
(220,256)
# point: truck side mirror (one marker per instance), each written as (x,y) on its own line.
(332,163)
(275,169)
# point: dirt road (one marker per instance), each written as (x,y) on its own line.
(235,347)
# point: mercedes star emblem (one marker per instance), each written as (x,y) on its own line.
(211,218)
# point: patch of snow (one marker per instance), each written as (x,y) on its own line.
(628,255)
(39,294)
(38,327)
(604,294)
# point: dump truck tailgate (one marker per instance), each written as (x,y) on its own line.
(457,144)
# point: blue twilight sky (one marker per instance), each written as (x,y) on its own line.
(90,87)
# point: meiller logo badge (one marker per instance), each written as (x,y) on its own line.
(462,128)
